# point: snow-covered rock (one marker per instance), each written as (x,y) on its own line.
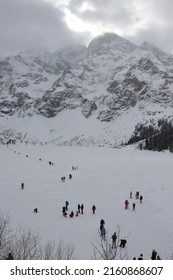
(112,82)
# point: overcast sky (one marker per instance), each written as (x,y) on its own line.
(51,24)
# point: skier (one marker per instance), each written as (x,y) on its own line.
(82,207)
(134,206)
(114,239)
(131,194)
(22,186)
(126,204)
(93,209)
(70,176)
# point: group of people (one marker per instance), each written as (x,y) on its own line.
(80,209)
(154,256)
(137,196)
(113,237)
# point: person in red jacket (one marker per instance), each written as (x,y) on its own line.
(126,204)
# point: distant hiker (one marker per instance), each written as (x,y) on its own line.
(66,205)
(65,214)
(126,204)
(140,257)
(74,167)
(26,155)
(64,211)
(93,209)
(77,213)
(123,243)
(153,255)
(131,194)
(78,207)
(103,232)
(71,214)
(70,176)
(22,186)
(40,159)
(137,195)
(82,207)
(141,198)
(36,210)
(102,223)
(9,257)
(134,205)
(114,239)
(63,179)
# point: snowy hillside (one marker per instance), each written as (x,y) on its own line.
(85,96)
(105,178)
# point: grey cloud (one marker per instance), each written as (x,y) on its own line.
(124,15)
(29,24)
(111,11)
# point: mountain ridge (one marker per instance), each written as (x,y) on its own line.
(103,84)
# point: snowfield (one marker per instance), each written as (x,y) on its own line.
(105,178)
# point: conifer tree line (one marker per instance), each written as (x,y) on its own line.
(155,137)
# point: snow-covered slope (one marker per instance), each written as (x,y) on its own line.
(80,95)
(105,178)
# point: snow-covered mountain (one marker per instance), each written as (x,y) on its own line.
(81,95)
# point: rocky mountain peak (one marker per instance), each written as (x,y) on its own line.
(111,41)
(102,85)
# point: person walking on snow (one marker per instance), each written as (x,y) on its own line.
(102,223)
(141,198)
(103,233)
(126,204)
(134,206)
(114,239)
(77,213)
(64,211)
(123,243)
(82,207)
(66,205)
(71,214)
(93,209)
(78,207)
(153,255)
(22,186)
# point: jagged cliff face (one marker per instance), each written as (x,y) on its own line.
(104,81)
